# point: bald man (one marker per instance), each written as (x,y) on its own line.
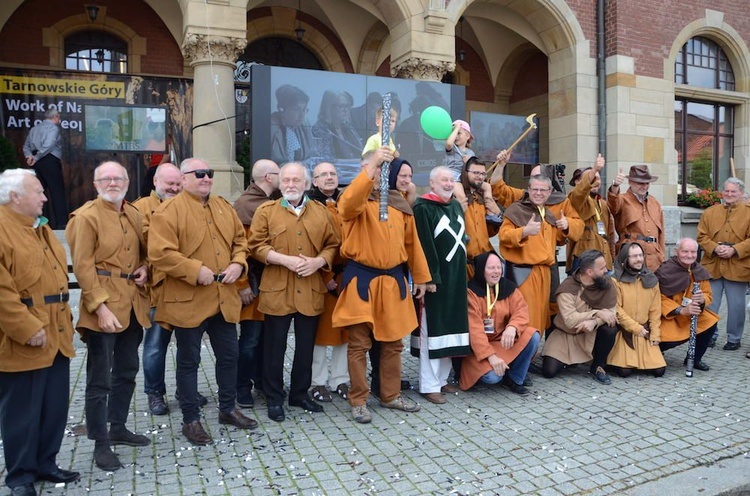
(265,187)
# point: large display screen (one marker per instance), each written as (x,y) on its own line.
(125,128)
(316,116)
(496,132)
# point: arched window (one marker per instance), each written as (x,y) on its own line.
(96,51)
(704,127)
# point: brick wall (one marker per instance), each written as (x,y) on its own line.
(21,37)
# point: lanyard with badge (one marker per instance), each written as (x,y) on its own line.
(600,230)
(489,322)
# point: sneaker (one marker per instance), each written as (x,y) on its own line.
(120,435)
(157,405)
(732,346)
(402,403)
(361,414)
(601,375)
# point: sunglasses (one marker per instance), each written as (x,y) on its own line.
(201,173)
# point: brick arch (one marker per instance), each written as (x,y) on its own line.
(318,38)
(726,37)
(506,78)
(372,47)
(54,37)
(555,22)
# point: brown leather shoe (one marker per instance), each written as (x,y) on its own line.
(195,433)
(450,388)
(436,398)
(236,419)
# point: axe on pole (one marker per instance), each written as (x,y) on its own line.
(532,126)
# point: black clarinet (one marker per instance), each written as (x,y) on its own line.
(385,169)
(691,342)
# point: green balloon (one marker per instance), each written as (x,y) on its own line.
(436,122)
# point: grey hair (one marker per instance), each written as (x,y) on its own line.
(162,167)
(50,113)
(124,170)
(185,163)
(11,181)
(308,177)
(736,182)
(682,241)
(439,169)
(540,177)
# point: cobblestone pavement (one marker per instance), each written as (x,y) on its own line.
(571,436)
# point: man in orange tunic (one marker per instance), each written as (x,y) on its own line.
(478,229)
(679,302)
(528,238)
(638,216)
(373,302)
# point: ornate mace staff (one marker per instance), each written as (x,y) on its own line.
(691,342)
(385,169)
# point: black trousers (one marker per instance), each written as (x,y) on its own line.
(223,337)
(33,413)
(274,348)
(701,343)
(250,362)
(49,171)
(111,367)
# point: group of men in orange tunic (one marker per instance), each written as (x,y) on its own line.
(325,259)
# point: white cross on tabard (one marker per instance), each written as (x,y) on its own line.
(444,224)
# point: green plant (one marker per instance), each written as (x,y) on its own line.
(8,155)
(704,198)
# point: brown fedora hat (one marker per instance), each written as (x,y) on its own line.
(577,175)
(640,174)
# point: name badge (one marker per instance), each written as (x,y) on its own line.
(489,325)
(600,230)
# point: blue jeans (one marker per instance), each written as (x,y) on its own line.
(155,343)
(518,367)
(250,363)
(735,293)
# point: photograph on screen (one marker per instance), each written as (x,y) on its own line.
(496,132)
(125,128)
(318,116)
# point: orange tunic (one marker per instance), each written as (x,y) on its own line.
(511,311)
(328,334)
(633,218)
(538,251)
(677,328)
(381,245)
(591,211)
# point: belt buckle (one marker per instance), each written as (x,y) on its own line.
(62,297)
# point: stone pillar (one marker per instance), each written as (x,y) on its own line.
(213,61)
(423,50)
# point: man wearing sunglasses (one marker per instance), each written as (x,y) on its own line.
(198,242)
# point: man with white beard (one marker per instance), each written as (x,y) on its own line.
(296,239)
(109,260)
(444,328)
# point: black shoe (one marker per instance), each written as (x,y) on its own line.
(307,404)
(601,375)
(60,476)
(236,419)
(535,369)
(157,405)
(105,459)
(516,388)
(405,385)
(23,490)
(528,382)
(245,398)
(276,413)
(202,400)
(698,366)
(120,435)
(732,346)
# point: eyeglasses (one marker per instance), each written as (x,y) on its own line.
(201,173)
(539,190)
(478,173)
(107,180)
(326,174)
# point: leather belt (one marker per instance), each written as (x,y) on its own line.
(218,277)
(647,239)
(48,300)
(108,273)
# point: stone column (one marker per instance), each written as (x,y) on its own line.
(425,48)
(213,61)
